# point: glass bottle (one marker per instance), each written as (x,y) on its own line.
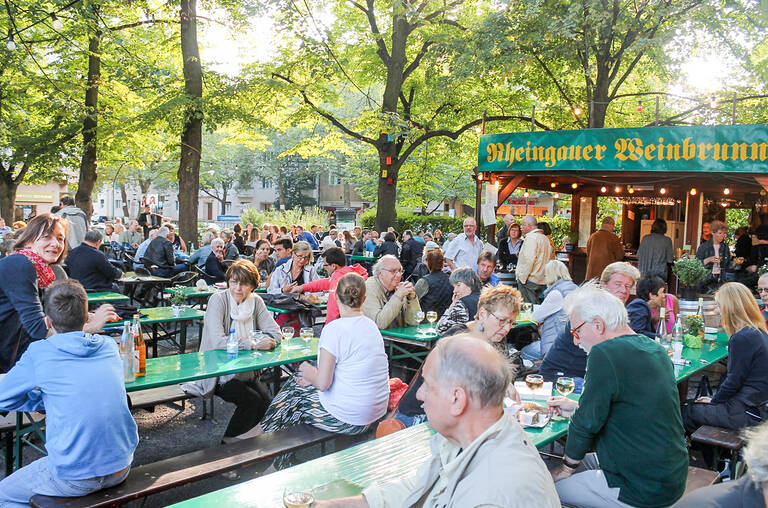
(140,355)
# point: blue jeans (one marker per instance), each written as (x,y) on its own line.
(17,489)
(410,421)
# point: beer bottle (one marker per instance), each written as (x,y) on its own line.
(141,347)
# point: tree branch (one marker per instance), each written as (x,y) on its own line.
(139,23)
(369,12)
(417,60)
(559,87)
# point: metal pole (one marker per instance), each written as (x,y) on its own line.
(733,110)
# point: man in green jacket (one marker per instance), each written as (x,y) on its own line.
(629,413)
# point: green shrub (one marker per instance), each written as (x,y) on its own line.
(415,223)
(689,271)
(285,217)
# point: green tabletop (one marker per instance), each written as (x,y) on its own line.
(363,258)
(175,369)
(106,297)
(134,278)
(278,310)
(190,291)
(424,333)
(162,315)
(702,358)
(347,472)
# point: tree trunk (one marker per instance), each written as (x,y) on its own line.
(87,180)
(124,199)
(192,135)
(223,201)
(144,186)
(8,189)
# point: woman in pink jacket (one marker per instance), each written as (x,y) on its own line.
(336,266)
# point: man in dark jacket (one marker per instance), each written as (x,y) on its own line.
(87,264)
(359,248)
(411,252)
(160,253)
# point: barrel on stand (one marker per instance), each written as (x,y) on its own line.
(711,311)
(507,278)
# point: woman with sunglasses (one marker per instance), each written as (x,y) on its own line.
(497,311)
(296,271)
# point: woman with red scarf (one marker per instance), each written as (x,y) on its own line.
(23,276)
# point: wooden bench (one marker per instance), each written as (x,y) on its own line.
(698,478)
(184,469)
(722,439)
(148,399)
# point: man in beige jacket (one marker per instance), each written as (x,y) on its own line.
(388,301)
(534,254)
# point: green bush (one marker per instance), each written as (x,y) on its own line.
(285,217)
(689,271)
(416,222)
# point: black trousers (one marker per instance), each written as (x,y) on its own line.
(252,400)
(730,415)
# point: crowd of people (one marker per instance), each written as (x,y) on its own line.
(626,443)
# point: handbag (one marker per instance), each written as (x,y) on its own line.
(390,424)
(704,390)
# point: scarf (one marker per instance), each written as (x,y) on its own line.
(45,275)
(242,317)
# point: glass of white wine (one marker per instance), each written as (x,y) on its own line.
(306,334)
(297,499)
(419,318)
(288,332)
(565,386)
(431,318)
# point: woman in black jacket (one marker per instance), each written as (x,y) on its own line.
(389,246)
(746,383)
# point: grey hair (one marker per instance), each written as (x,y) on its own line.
(620,267)
(530,220)
(208,237)
(554,271)
(486,382)
(763,277)
(377,266)
(468,276)
(228,233)
(92,236)
(163,231)
(590,301)
(153,233)
(756,453)
(217,241)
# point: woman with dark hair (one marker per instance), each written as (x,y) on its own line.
(466,292)
(264,263)
(649,289)
(655,251)
(241,309)
(389,246)
(546,229)
(434,290)
(509,248)
(349,388)
(23,276)
(239,241)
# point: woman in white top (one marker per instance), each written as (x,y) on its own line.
(349,388)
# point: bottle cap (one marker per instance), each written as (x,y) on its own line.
(231,330)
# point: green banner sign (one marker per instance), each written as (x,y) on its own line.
(726,148)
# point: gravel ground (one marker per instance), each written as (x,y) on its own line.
(171,431)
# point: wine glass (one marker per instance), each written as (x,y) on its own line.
(431,318)
(306,334)
(565,385)
(288,332)
(419,318)
(534,381)
(297,498)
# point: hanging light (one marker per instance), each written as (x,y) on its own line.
(640,105)
(574,185)
(577,110)
(713,103)
(479,177)
(693,191)
(553,184)
(56,22)
(11,45)
(724,203)
(526,193)
(603,189)
(727,191)
(556,195)
(631,189)
(617,189)
(662,191)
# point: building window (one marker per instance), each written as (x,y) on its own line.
(266,184)
(266,206)
(334,179)
(119,203)
(228,208)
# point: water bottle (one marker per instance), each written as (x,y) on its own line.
(677,330)
(661,331)
(232,345)
(126,353)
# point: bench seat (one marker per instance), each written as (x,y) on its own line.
(698,478)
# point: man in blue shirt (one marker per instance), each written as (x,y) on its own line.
(143,248)
(77,379)
(486,262)
(307,237)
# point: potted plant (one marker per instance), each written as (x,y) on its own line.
(571,241)
(694,331)
(690,272)
(177,303)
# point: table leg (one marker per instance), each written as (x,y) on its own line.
(682,390)
(183,336)
(154,340)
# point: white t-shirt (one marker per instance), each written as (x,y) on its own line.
(359,392)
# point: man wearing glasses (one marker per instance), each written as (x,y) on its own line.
(465,249)
(762,291)
(390,302)
(629,413)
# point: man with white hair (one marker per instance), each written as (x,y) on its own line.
(132,236)
(388,301)
(465,248)
(141,250)
(629,412)
(534,255)
(503,233)
(160,253)
(481,457)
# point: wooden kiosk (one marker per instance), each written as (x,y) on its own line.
(685,175)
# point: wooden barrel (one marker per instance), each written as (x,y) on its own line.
(507,278)
(711,311)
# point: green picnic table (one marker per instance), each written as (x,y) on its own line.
(364,259)
(175,369)
(348,472)
(106,297)
(156,316)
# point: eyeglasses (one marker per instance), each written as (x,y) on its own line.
(502,322)
(395,271)
(575,331)
(304,257)
(762,290)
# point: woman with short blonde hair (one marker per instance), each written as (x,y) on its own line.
(747,380)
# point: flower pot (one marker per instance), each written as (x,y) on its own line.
(688,293)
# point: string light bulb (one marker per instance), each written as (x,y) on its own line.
(526,194)
(479,177)
(56,22)
(662,191)
(727,191)
(713,103)
(11,45)
(603,189)
(617,189)
(556,195)
(724,203)
(631,189)
(577,110)
(553,184)
(693,191)
(574,185)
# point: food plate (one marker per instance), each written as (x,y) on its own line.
(529,414)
